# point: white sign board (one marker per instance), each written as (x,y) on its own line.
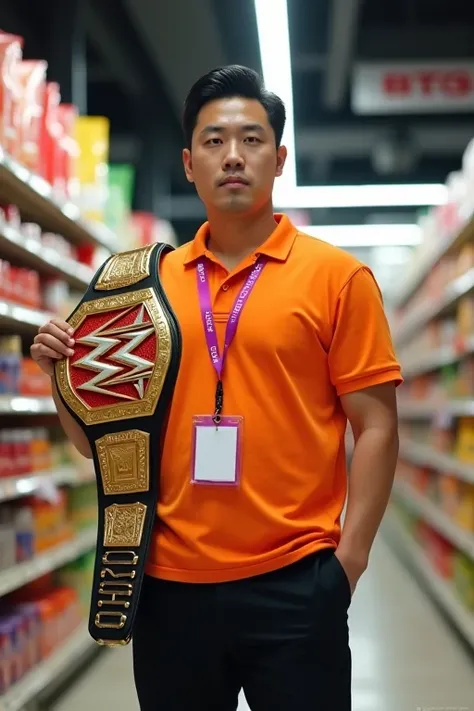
(407,87)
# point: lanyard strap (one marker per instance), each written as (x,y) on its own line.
(205,303)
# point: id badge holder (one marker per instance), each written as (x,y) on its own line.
(217,450)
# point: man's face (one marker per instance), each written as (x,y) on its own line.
(233,159)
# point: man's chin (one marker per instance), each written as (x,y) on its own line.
(235,203)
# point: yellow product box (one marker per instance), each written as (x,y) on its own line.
(464,447)
(465,509)
(93,142)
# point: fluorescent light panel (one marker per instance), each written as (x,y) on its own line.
(274,40)
(371,235)
(275,52)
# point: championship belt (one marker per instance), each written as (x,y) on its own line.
(118,386)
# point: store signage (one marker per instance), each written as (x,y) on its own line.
(402,87)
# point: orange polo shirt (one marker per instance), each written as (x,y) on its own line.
(312,329)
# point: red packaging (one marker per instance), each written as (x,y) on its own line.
(69,149)
(50,151)
(30,109)
(10,57)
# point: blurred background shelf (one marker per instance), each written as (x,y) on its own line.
(440,589)
(426,409)
(16,246)
(16,487)
(426,456)
(19,405)
(464,540)
(23,573)
(71,654)
(34,196)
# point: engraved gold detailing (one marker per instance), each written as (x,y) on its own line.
(113,589)
(123,410)
(114,642)
(117,603)
(124,524)
(118,624)
(124,462)
(125,269)
(118,576)
(109,558)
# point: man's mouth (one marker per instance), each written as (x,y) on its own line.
(232,180)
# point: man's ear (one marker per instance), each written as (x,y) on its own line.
(188,164)
(281,159)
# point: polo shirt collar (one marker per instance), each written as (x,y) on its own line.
(277,246)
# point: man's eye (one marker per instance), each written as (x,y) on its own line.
(213,142)
(252,139)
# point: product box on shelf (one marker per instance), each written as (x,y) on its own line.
(34,622)
(464,579)
(50,134)
(68,151)
(78,575)
(29,111)
(464,447)
(437,549)
(10,57)
(10,364)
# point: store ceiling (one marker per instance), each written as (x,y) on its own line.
(144,53)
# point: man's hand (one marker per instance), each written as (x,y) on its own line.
(353,568)
(53,342)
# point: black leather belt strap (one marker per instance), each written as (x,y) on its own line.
(118,386)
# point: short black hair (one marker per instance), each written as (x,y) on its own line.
(225,83)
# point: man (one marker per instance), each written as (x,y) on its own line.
(249,576)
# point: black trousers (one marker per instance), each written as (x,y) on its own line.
(282,637)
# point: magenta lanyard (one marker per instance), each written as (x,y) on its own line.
(205,304)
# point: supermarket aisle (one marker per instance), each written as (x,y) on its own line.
(405,656)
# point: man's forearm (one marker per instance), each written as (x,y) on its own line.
(370,484)
(74,433)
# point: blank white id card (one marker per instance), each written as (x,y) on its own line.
(217,450)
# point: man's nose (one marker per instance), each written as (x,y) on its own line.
(233,158)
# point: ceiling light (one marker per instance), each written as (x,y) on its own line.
(326,196)
(367,235)
(275,53)
(274,41)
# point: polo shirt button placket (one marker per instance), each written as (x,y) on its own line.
(225,287)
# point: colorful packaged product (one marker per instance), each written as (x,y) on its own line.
(10,57)
(30,108)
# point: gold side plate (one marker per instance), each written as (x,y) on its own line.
(122,410)
(125,269)
(124,525)
(124,462)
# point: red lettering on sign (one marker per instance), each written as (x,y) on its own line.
(457,83)
(427,82)
(396,83)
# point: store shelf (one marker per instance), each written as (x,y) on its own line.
(36,199)
(443,463)
(32,254)
(420,315)
(421,267)
(427,409)
(439,588)
(437,358)
(24,573)
(70,655)
(438,520)
(15,487)
(20,317)
(19,405)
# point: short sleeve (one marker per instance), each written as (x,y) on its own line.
(361,353)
